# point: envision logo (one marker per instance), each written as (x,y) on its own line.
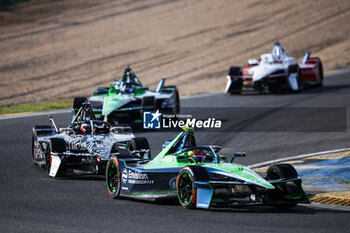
(132,175)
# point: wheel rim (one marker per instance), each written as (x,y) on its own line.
(185,188)
(113,179)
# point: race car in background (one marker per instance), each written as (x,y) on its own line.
(201,178)
(125,101)
(275,71)
(84,147)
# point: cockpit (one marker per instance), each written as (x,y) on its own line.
(201,154)
(185,149)
(129,81)
(85,122)
(279,53)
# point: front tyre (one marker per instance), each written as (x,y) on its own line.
(140,144)
(34,148)
(320,70)
(282,171)
(186,188)
(113,178)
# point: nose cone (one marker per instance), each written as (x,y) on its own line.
(256,179)
(241,173)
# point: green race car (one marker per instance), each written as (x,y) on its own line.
(125,101)
(199,177)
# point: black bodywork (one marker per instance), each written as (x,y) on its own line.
(84,147)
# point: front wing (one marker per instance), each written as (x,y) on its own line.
(216,193)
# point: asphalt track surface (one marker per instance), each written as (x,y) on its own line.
(33,202)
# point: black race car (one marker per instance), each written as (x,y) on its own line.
(84,147)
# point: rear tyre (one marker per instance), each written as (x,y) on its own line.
(113,178)
(320,70)
(140,143)
(282,171)
(176,98)
(38,130)
(186,188)
(235,71)
(78,102)
(34,148)
(148,102)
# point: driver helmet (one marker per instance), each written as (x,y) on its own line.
(190,153)
(278,52)
(85,128)
(127,88)
(198,155)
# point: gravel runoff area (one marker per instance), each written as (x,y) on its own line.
(61,49)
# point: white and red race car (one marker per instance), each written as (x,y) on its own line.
(275,71)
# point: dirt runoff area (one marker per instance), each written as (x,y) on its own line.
(61,49)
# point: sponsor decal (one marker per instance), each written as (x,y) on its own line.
(141,181)
(155,192)
(151,120)
(135,177)
(193,123)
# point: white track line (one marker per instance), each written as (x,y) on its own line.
(296,157)
(35,114)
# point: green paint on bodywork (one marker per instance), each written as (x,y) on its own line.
(290,197)
(158,159)
(111,102)
(115,100)
(165,160)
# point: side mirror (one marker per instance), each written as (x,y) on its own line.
(238,154)
(161,84)
(307,55)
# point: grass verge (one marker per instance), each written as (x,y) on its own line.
(36,107)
